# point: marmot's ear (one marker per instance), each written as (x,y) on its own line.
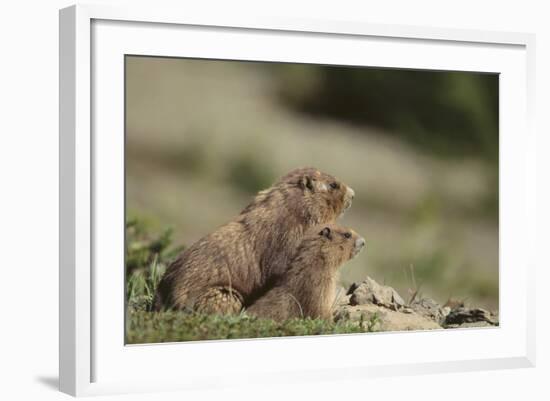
(306,182)
(325,232)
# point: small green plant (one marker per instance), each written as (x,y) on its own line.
(142,285)
(147,258)
(142,247)
(369,322)
(373,322)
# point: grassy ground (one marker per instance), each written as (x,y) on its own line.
(148,256)
(154,327)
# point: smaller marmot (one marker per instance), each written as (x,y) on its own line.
(308,287)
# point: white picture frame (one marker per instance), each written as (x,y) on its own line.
(93,357)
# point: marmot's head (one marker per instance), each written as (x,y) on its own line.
(324,196)
(331,243)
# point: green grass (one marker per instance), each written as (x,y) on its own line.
(147,258)
(154,327)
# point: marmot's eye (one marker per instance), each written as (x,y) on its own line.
(334,185)
(326,233)
(347,235)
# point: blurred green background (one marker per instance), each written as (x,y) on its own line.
(420,149)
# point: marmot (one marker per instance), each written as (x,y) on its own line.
(229,268)
(308,287)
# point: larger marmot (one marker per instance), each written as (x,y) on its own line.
(308,287)
(227,269)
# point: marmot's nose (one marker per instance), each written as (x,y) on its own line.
(359,243)
(350,193)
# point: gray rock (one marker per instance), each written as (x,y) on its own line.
(469,325)
(462,315)
(429,308)
(370,292)
(341,298)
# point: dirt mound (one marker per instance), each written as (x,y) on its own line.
(381,308)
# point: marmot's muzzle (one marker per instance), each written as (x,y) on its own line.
(350,194)
(358,246)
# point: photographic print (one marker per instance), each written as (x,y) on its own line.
(282,199)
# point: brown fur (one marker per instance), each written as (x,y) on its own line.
(227,269)
(308,287)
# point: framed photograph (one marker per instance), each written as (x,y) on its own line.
(277,200)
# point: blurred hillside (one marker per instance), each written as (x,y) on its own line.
(419,148)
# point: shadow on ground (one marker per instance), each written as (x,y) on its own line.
(51,382)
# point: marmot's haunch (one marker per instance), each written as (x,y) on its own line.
(308,287)
(227,269)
